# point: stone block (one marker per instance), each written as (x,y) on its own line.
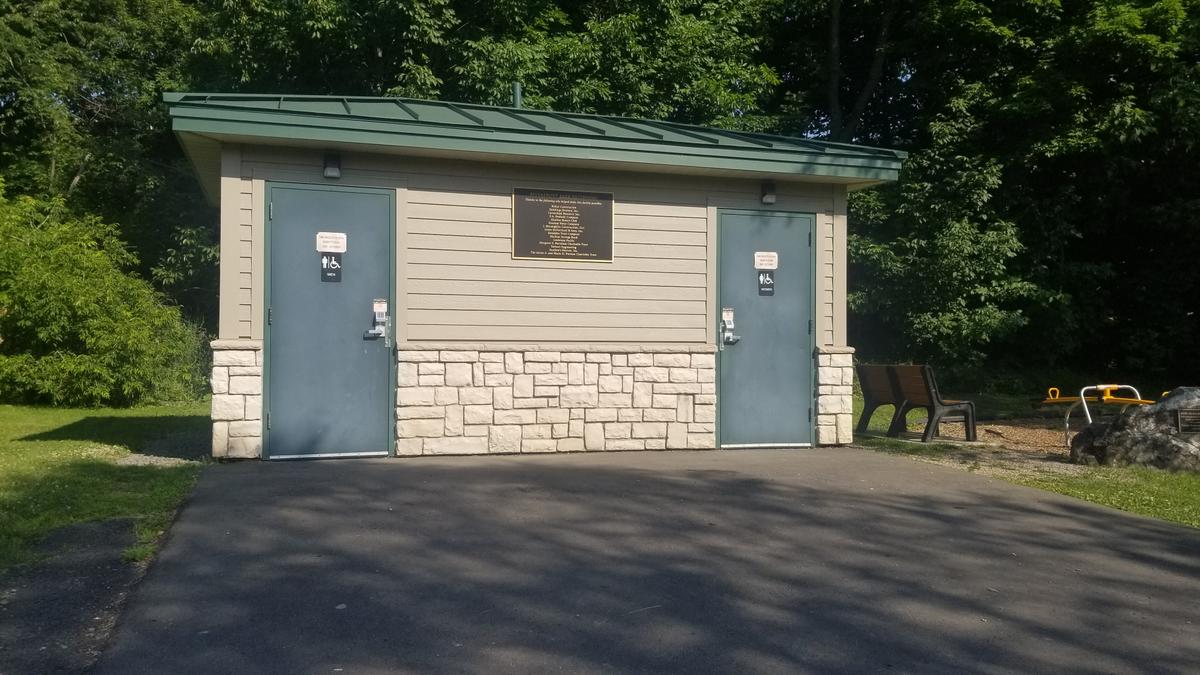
(545,392)
(578,397)
(684,409)
(538,368)
(502,398)
(704,399)
(577,413)
(640,360)
(220,380)
(698,428)
(620,359)
(445,395)
(702,361)
(700,441)
(492,368)
(601,415)
(575,373)
(826,419)
(651,374)
(421,428)
(660,414)
(537,431)
(531,402)
(673,360)
(475,396)
(458,357)
(550,380)
(458,445)
(543,356)
(705,413)
(531,445)
(677,388)
(827,434)
(406,374)
(227,407)
(643,394)
(409,447)
(627,382)
(830,405)
(845,427)
(522,416)
(841,360)
(706,376)
(848,376)
(596,357)
(610,384)
(605,368)
(253,408)
(829,375)
(593,436)
(591,373)
(498,380)
(420,412)
(574,357)
(244,447)
(431,369)
(454,420)
(476,429)
(477,374)
(245,370)
(558,430)
(415,396)
(234,357)
(417,356)
(491,357)
(220,439)
(824,360)
(616,400)
(245,428)
(571,444)
(617,430)
(665,401)
(629,414)
(708,388)
(459,375)
(504,438)
(522,386)
(625,444)
(478,414)
(649,430)
(553,416)
(431,380)
(245,385)
(514,362)
(682,375)
(677,436)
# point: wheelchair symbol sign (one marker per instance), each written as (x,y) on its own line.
(766,282)
(331,267)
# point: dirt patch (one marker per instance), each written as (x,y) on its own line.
(56,614)
(1005,449)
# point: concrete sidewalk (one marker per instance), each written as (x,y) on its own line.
(829,560)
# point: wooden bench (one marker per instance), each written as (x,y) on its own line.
(916,387)
(877,390)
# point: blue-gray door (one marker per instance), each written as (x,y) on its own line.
(766,390)
(329,378)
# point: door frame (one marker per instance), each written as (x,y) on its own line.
(271,185)
(812,318)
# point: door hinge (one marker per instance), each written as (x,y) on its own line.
(270,210)
(269,313)
(809,416)
(268,416)
(810,326)
(810,239)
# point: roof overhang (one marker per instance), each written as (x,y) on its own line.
(514,136)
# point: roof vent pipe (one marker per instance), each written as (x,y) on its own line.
(516,100)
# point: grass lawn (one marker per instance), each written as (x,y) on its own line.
(59,466)
(1159,494)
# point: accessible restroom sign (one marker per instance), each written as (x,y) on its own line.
(330,246)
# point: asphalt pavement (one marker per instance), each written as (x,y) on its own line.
(828,560)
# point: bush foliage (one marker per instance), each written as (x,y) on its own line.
(76,326)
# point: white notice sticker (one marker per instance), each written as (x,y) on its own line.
(331,242)
(727,314)
(766,260)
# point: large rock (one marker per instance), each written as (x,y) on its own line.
(1144,435)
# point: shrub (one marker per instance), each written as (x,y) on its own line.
(76,326)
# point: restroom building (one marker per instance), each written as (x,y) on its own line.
(406,277)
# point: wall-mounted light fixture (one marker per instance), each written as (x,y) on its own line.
(768,192)
(333,165)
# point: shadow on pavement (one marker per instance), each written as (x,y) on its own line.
(830,561)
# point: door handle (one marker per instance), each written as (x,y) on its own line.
(727,335)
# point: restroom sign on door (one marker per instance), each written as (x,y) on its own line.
(331,267)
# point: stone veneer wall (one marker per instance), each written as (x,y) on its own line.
(835,395)
(460,400)
(237,385)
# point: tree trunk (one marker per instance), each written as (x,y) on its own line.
(835,68)
(874,74)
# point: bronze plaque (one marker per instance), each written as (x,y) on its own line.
(560,225)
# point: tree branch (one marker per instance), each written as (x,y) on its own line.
(874,74)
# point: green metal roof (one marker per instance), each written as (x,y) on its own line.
(495,133)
